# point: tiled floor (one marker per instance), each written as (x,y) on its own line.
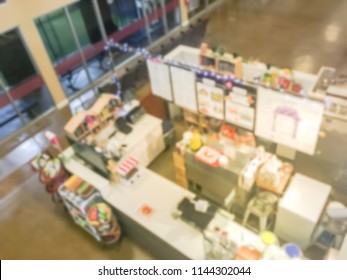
(299,34)
(32,227)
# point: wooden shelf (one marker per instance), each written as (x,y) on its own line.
(180,170)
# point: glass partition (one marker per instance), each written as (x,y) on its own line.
(60,43)
(23,95)
(124,21)
(89,35)
(173,14)
(196,6)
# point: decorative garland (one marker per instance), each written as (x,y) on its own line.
(200,71)
(125,48)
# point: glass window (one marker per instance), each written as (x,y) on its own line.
(57,30)
(154,9)
(196,6)
(88,31)
(83,102)
(58,38)
(56,35)
(124,21)
(23,95)
(173,15)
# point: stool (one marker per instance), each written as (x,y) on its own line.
(292,250)
(261,206)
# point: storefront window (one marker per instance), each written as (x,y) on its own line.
(23,95)
(196,6)
(172,13)
(83,102)
(89,35)
(74,38)
(156,18)
(60,43)
(124,21)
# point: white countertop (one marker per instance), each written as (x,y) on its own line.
(144,125)
(159,193)
(163,196)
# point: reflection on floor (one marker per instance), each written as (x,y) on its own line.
(31,106)
(33,227)
(299,34)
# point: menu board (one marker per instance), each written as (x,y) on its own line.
(288,120)
(159,75)
(210,100)
(239,108)
(183,85)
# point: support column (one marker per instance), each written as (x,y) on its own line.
(184,12)
(41,59)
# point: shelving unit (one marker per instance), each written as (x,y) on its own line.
(79,197)
(180,169)
(196,119)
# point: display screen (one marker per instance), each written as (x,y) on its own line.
(92,157)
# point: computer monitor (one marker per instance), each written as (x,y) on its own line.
(97,160)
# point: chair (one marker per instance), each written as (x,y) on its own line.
(262,206)
(333,226)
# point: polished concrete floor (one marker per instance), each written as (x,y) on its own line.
(297,34)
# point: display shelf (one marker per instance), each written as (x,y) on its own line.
(285,174)
(195,119)
(79,197)
(77,201)
(79,218)
(180,170)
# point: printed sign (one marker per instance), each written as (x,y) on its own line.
(146,211)
(288,120)
(210,100)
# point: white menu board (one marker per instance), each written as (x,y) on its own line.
(288,120)
(183,85)
(210,100)
(159,76)
(238,108)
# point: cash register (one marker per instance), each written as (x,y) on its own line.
(192,213)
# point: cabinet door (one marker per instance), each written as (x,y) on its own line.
(155,142)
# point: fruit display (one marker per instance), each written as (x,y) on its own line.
(99,214)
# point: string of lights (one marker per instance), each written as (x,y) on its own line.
(227,79)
